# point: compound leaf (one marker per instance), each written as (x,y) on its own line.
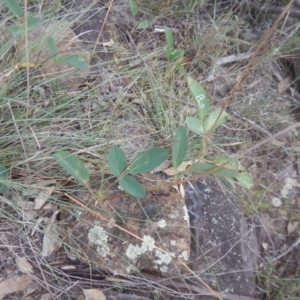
(179,146)
(130,185)
(148,160)
(117,160)
(73,166)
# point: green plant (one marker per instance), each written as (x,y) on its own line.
(31,23)
(150,159)
(173,54)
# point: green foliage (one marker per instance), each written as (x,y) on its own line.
(3,178)
(169,39)
(17,30)
(130,185)
(148,160)
(171,53)
(133,7)
(214,121)
(51,46)
(33,23)
(14,8)
(152,158)
(199,97)
(224,172)
(73,166)
(117,160)
(73,60)
(143,24)
(144,162)
(195,125)
(180,146)
(244,178)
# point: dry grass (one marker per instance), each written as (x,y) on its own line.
(133,97)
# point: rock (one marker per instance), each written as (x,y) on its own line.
(160,220)
(223,249)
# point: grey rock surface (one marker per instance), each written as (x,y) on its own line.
(223,248)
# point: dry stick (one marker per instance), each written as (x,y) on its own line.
(247,68)
(270,138)
(214,293)
(101,29)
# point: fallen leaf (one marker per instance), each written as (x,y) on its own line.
(27,206)
(292,226)
(93,294)
(162,167)
(46,296)
(174,171)
(110,43)
(42,197)
(253,84)
(14,284)
(51,241)
(283,85)
(23,265)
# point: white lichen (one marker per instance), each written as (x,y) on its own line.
(207,190)
(276,202)
(133,251)
(164,269)
(148,243)
(103,250)
(161,223)
(184,255)
(97,235)
(173,242)
(164,258)
(186,215)
(130,268)
(174,214)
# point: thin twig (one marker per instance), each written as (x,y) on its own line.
(269,139)
(287,251)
